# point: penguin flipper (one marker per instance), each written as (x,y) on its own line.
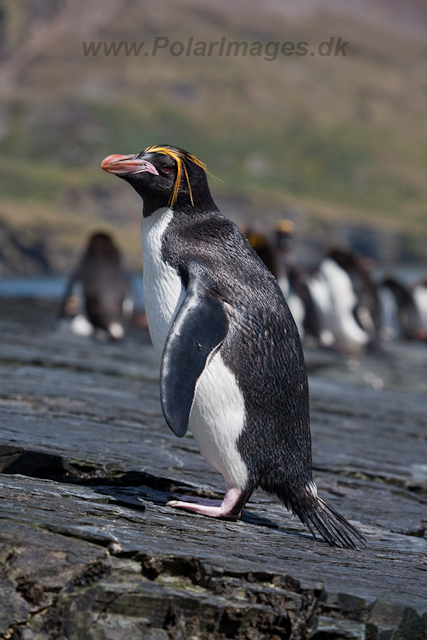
(198,330)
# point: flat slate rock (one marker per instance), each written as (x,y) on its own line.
(89,550)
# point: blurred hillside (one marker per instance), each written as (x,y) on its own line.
(336,143)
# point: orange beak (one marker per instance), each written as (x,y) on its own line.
(125,165)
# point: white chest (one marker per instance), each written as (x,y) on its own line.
(163,288)
(217,420)
(344,325)
(217,416)
(420,297)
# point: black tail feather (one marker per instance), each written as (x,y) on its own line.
(302,499)
(332,526)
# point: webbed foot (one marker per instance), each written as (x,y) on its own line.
(230,508)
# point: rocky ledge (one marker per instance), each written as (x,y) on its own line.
(90,551)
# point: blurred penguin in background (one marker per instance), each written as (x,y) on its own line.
(340,318)
(284,239)
(342,306)
(98,297)
(404,310)
(313,292)
(263,245)
(419,291)
(337,304)
(273,246)
(368,308)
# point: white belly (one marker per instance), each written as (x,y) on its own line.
(217,415)
(420,297)
(344,326)
(163,288)
(217,419)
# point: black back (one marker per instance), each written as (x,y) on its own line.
(104,283)
(262,347)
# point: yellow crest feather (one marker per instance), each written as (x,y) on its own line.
(180,159)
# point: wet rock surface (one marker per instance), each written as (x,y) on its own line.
(89,550)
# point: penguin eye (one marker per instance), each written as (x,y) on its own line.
(166,169)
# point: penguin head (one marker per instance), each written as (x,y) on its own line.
(101,244)
(164,176)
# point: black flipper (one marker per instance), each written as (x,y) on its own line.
(198,330)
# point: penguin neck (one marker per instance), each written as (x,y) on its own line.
(151,220)
(202,206)
(179,209)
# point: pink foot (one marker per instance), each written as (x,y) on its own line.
(230,508)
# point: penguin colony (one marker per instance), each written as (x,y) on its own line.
(338,304)
(232,367)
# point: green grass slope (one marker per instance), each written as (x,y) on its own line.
(333,138)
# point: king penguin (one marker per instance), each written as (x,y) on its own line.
(232,367)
